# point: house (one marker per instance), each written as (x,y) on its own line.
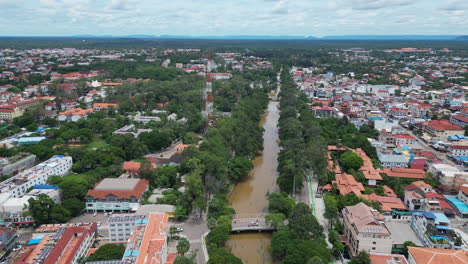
(345,183)
(439,130)
(74,114)
(415,195)
(398,113)
(463,194)
(419,255)
(116,195)
(102,106)
(323,111)
(365,230)
(434,230)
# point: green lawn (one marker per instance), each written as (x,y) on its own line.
(97,143)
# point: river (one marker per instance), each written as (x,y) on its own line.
(249,196)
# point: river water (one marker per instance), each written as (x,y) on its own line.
(249,196)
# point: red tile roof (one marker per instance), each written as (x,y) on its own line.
(443,125)
(438,256)
(404,173)
(137,192)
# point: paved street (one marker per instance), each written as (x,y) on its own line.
(194,229)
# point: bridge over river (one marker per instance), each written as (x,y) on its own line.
(250,222)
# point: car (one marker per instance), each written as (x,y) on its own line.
(100,235)
(99,223)
(179,229)
(95,213)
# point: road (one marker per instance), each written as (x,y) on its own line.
(194,229)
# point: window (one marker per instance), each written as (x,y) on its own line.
(373,248)
(373,243)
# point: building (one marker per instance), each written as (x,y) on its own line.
(434,230)
(7,238)
(116,195)
(17,163)
(463,194)
(401,139)
(121,226)
(10,112)
(393,161)
(365,230)
(18,185)
(102,106)
(387,259)
(58,244)
(458,150)
(74,114)
(439,130)
(415,195)
(25,141)
(404,173)
(13,209)
(446,174)
(345,183)
(147,243)
(459,120)
(419,255)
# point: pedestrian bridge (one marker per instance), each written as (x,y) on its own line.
(250,222)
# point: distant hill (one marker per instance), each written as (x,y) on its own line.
(393,37)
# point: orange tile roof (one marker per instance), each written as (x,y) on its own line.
(347,184)
(104,105)
(404,173)
(77,111)
(388,203)
(386,259)
(131,166)
(154,239)
(137,192)
(438,256)
(443,124)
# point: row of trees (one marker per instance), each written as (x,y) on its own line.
(303,148)
(300,237)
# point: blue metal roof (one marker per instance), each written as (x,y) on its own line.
(461,206)
(127,253)
(441,227)
(441,218)
(44,186)
(429,215)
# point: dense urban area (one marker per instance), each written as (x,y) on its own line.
(125,152)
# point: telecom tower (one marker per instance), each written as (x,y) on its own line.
(207,94)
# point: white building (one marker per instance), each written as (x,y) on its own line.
(121,226)
(18,185)
(459,150)
(393,161)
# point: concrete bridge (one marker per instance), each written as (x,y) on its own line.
(250,222)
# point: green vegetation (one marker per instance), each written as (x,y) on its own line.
(107,252)
(44,211)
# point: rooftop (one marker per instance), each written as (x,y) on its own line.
(438,256)
(117,184)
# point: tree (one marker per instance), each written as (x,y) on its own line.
(239,168)
(407,244)
(303,223)
(350,160)
(276,221)
(361,258)
(190,138)
(74,205)
(107,252)
(60,214)
(40,209)
(280,203)
(331,208)
(315,260)
(183,246)
(167,177)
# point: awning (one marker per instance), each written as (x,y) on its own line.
(443,227)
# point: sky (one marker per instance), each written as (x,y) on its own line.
(233,17)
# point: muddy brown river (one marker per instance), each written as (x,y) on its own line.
(249,196)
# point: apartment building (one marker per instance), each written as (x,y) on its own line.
(121,226)
(393,161)
(438,130)
(147,243)
(365,230)
(18,185)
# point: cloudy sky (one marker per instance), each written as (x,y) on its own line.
(233,17)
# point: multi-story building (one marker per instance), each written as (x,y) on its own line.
(401,139)
(10,112)
(365,230)
(18,185)
(434,230)
(116,195)
(147,243)
(62,243)
(121,226)
(398,113)
(415,195)
(463,194)
(420,255)
(458,150)
(437,130)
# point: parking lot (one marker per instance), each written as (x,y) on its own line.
(103,228)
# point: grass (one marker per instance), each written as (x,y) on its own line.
(97,143)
